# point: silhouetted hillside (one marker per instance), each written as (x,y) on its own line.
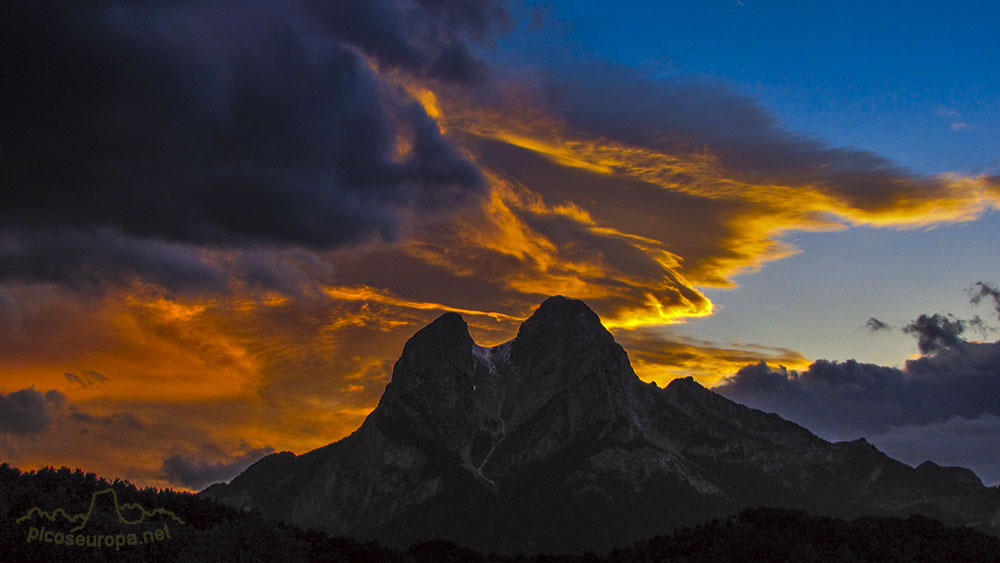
(212,532)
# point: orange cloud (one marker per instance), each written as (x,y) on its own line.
(753,213)
(290,373)
(368,294)
(635,228)
(660,357)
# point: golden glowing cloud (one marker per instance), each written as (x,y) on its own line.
(634,229)
(368,294)
(659,357)
(746,235)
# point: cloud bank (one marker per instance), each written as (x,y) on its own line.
(29,411)
(846,400)
(130,127)
(943,409)
(944,406)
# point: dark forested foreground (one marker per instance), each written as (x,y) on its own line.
(151,525)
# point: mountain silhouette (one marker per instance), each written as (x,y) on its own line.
(549,442)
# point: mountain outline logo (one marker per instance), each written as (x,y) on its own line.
(73,537)
(51,516)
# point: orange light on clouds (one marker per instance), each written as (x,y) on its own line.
(366,294)
(656,313)
(637,231)
(659,357)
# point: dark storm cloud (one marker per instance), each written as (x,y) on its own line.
(29,411)
(835,400)
(211,465)
(935,332)
(428,37)
(92,259)
(88,258)
(216,123)
(846,400)
(875,325)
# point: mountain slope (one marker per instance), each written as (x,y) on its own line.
(549,442)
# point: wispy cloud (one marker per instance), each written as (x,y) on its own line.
(875,325)
(85,378)
(953,118)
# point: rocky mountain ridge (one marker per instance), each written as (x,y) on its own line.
(549,442)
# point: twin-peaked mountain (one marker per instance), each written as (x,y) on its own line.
(549,442)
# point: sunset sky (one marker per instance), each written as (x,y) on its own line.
(221,220)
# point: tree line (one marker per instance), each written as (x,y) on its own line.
(215,532)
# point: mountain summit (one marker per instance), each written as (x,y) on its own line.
(549,442)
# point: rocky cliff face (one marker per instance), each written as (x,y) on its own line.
(551,442)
